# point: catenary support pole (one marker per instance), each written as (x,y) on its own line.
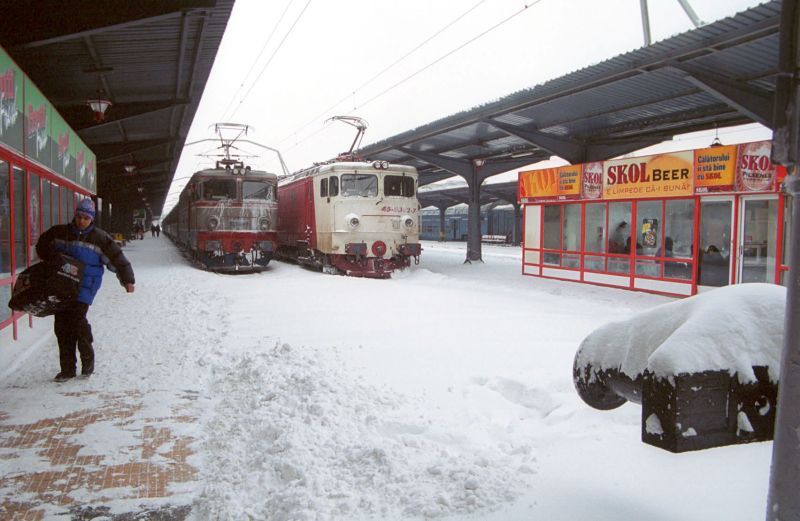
(783,501)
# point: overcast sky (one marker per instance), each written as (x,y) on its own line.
(286,66)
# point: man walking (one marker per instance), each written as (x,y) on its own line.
(95,248)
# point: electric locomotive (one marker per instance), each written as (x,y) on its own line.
(351,217)
(226,217)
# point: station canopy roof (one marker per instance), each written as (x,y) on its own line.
(151,58)
(717,75)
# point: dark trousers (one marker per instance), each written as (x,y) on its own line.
(73,330)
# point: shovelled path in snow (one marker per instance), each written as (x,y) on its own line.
(444,392)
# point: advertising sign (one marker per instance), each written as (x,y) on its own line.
(592,180)
(754,170)
(663,175)
(63,159)
(37,125)
(11,126)
(714,169)
(551,183)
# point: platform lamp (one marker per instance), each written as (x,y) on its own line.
(129,169)
(99,105)
(716,142)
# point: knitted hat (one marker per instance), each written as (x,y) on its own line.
(86,208)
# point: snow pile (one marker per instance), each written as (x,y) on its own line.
(732,328)
(295,435)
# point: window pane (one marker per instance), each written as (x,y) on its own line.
(359,185)
(395,185)
(594,263)
(572,228)
(619,222)
(595,239)
(219,189)
(323,188)
(20,221)
(334,186)
(47,205)
(552,228)
(65,218)
(648,219)
(678,270)
(679,228)
(258,190)
(5,296)
(34,217)
(5,221)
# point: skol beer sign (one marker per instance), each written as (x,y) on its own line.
(664,175)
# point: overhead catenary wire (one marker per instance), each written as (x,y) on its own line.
(428,66)
(253,65)
(384,70)
(272,56)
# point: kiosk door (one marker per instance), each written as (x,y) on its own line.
(716,232)
(757,240)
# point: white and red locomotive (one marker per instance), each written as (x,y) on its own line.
(226,217)
(352,217)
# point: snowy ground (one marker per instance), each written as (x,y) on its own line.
(445,392)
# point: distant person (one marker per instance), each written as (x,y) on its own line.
(158,230)
(714,267)
(152,230)
(95,248)
(619,242)
(668,245)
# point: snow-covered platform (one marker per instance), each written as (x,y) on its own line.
(445,392)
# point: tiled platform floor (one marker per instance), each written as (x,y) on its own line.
(161,461)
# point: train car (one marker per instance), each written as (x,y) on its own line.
(226,217)
(351,217)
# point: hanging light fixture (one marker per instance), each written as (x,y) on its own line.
(100,103)
(716,142)
(129,169)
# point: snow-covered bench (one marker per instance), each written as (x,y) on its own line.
(705,368)
(494,239)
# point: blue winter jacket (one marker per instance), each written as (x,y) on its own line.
(92,246)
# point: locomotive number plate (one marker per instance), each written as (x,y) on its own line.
(240,223)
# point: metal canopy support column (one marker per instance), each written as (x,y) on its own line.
(475,172)
(442,223)
(783,501)
(517,238)
(474,252)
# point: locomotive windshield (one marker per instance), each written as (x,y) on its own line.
(359,185)
(258,190)
(218,189)
(398,186)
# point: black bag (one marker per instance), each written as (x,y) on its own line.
(47,287)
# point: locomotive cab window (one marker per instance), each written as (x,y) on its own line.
(258,191)
(334,186)
(219,189)
(395,185)
(323,188)
(359,185)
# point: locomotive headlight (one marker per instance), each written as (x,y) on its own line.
(212,223)
(408,221)
(352,220)
(264,224)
